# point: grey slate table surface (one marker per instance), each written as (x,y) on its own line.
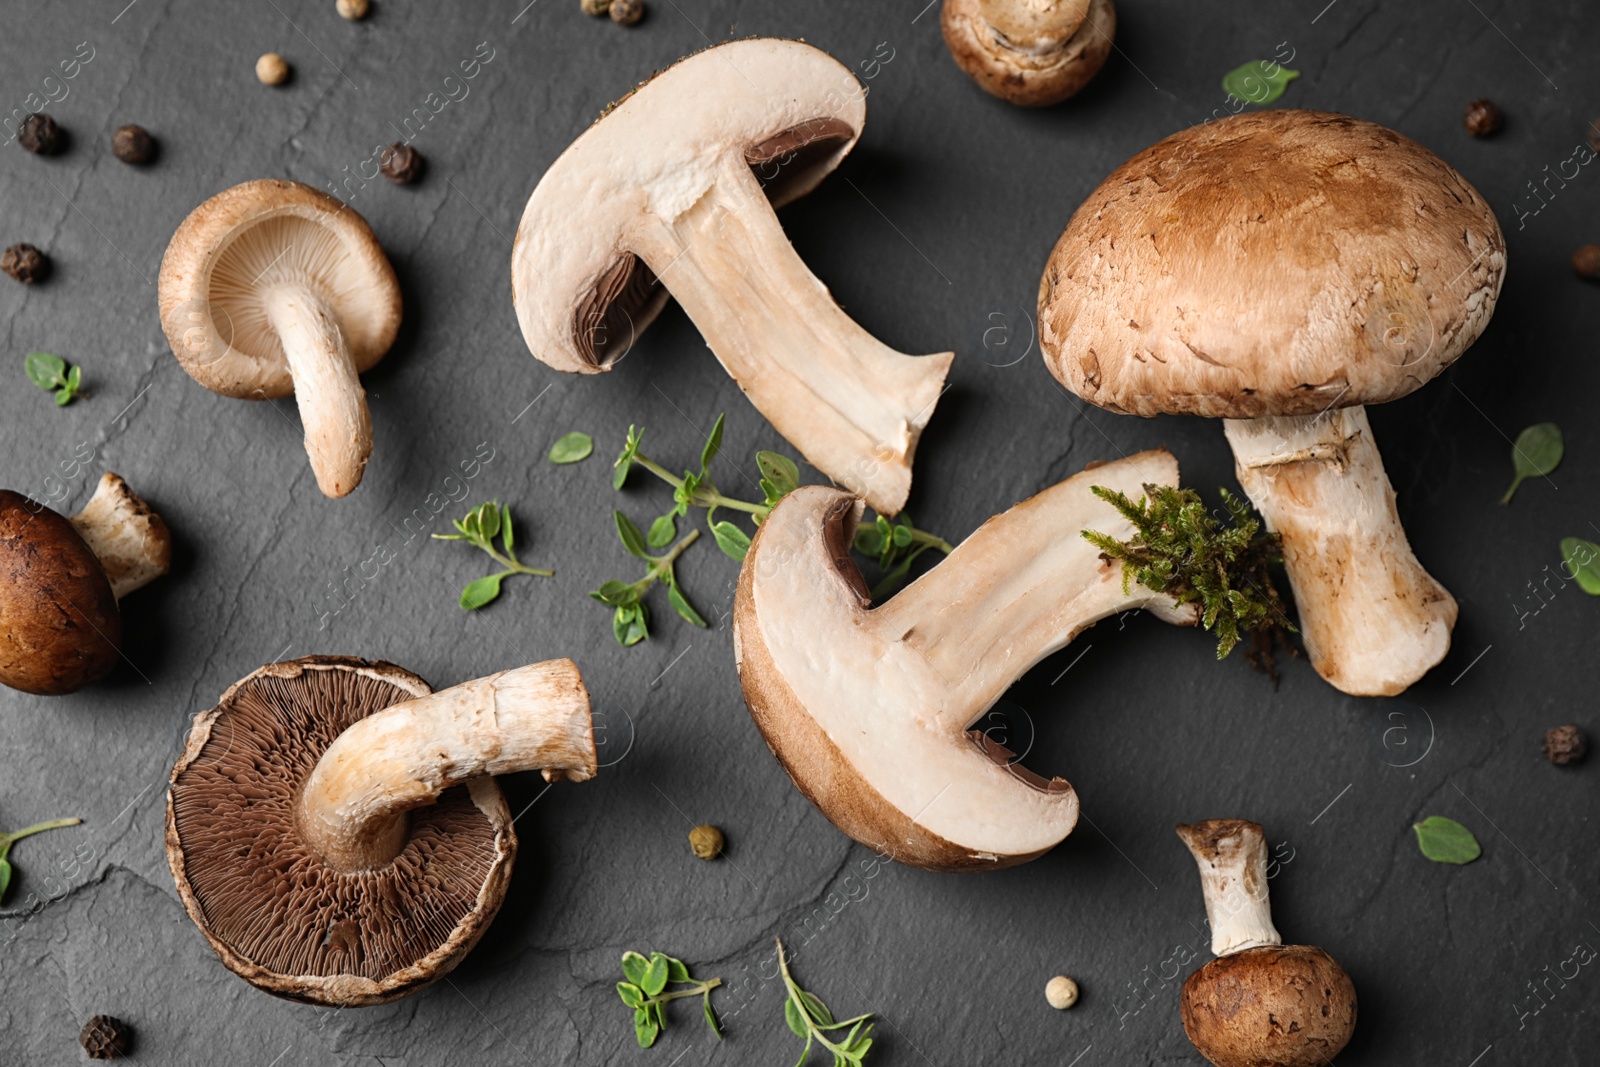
(932,235)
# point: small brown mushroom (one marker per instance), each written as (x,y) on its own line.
(333,826)
(271,288)
(672,193)
(1031,53)
(1279,270)
(61,579)
(1260,1003)
(870,710)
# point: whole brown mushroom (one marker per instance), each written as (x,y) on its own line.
(61,579)
(1260,1003)
(1031,53)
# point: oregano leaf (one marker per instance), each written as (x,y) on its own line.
(1446,841)
(645,1028)
(655,975)
(663,530)
(796,1021)
(634,967)
(632,539)
(1259,81)
(571,447)
(677,971)
(481,591)
(731,539)
(1582,559)
(712,447)
(683,607)
(506,537)
(631,994)
(819,1011)
(5,878)
(780,471)
(45,370)
(1536,452)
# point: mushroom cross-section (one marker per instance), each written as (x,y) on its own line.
(1260,1003)
(672,192)
(271,288)
(869,709)
(1279,270)
(333,827)
(61,579)
(1032,53)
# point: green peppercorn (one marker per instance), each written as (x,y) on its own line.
(706,841)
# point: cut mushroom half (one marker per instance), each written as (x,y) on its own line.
(1279,270)
(61,579)
(1031,53)
(333,827)
(271,288)
(870,709)
(672,193)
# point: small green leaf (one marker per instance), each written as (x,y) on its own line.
(683,607)
(780,470)
(482,591)
(869,541)
(1583,563)
(731,539)
(632,539)
(74,378)
(1446,841)
(902,536)
(44,370)
(5,878)
(572,447)
(711,1016)
(645,1028)
(663,530)
(1537,452)
(634,967)
(506,537)
(631,994)
(630,625)
(818,1010)
(796,1021)
(655,977)
(677,971)
(63,397)
(488,519)
(617,594)
(712,447)
(1259,82)
(620,474)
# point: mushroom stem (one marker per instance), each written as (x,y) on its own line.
(854,406)
(130,540)
(352,810)
(333,405)
(1025,584)
(1232,857)
(1374,621)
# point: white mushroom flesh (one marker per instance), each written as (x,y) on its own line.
(131,541)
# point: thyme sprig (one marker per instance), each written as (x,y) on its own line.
(809,1018)
(478,529)
(645,991)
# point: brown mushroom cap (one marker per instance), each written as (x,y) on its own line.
(59,624)
(1031,53)
(239,245)
(1274,1006)
(274,912)
(1272,263)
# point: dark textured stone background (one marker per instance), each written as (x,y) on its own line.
(956,201)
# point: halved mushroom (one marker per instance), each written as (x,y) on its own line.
(271,288)
(869,709)
(1278,270)
(673,191)
(1260,1003)
(1031,53)
(332,826)
(61,579)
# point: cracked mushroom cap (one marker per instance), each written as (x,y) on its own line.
(235,248)
(1031,53)
(787,109)
(1273,1006)
(274,912)
(1273,263)
(59,624)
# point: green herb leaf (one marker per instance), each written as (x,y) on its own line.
(625,459)
(74,378)
(482,591)
(683,607)
(818,1010)
(869,541)
(487,519)
(1536,452)
(45,370)
(630,625)
(796,1021)
(634,967)
(1259,82)
(645,1028)
(711,1016)
(631,994)
(677,971)
(5,878)
(655,976)
(663,530)
(780,471)
(731,539)
(63,397)
(712,447)
(1446,841)
(1583,563)
(632,539)
(617,594)
(572,447)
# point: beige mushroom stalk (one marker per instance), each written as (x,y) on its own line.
(130,540)
(672,192)
(1279,270)
(1260,1003)
(271,288)
(870,710)
(333,826)
(1032,53)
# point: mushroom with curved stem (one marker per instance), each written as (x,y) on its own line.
(672,192)
(333,826)
(61,579)
(271,288)
(1260,1003)
(1278,270)
(1031,53)
(870,709)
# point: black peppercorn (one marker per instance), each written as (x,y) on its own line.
(40,135)
(133,144)
(105,1037)
(627,12)
(25,263)
(1565,744)
(1586,261)
(1482,118)
(400,163)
